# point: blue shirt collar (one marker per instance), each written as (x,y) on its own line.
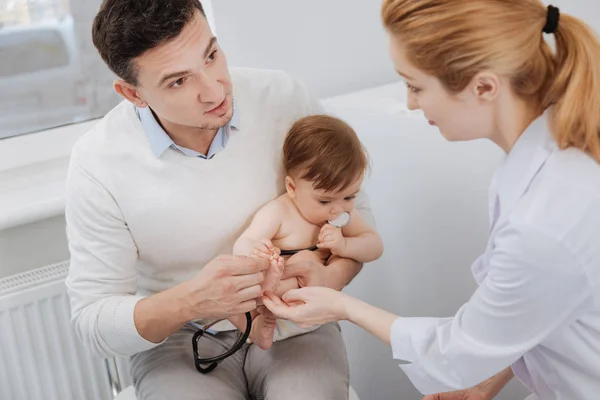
(160,141)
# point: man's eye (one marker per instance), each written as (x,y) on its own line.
(178,82)
(212,55)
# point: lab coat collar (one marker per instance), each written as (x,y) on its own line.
(524,161)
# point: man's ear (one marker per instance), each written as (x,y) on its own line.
(129,92)
(290,186)
(485,86)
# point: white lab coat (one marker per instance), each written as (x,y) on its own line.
(537,307)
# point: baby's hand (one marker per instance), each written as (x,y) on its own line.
(264,249)
(331,238)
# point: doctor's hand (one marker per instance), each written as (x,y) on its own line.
(308,306)
(468,394)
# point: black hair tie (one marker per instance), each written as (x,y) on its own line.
(552,20)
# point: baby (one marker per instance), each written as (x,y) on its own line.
(325,164)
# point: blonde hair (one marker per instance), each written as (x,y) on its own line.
(455,40)
(326,151)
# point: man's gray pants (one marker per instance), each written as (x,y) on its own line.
(310,366)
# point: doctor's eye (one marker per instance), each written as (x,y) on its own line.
(412,88)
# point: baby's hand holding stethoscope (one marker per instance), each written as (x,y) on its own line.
(331,238)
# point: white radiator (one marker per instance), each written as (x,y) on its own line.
(40,355)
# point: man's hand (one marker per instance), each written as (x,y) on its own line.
(307,268)
(226,286)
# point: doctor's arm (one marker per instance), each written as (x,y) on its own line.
(534,285)
(486,390)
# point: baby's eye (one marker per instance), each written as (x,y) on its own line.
(324,201)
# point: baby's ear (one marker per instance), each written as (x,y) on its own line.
(290,186)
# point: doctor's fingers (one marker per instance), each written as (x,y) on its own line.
(278,307)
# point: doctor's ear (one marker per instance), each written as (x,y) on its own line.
(485,86)
(290,186)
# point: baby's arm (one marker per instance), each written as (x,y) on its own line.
(358,240)
(256,239)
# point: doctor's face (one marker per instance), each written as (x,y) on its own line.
(186,81)
(458,116)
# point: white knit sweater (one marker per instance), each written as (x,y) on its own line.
(138,224)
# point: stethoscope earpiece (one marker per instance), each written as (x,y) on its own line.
(341,221)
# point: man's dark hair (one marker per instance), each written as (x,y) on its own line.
(125,29)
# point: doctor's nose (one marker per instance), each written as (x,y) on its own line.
(411,103)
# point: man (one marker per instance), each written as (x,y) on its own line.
(157,193)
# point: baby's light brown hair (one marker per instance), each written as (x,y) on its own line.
(326,151)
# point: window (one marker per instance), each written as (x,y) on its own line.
(50,73)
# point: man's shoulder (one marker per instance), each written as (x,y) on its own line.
(267,85)
(272,91)
(259,77)
(102,135)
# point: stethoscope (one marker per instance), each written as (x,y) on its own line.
(207,365)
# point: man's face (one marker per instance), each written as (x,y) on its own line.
(186,81)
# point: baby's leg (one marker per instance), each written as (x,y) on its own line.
(273,274)
(263,326)
(263,330)
(239,321)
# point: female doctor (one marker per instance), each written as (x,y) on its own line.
(483,69)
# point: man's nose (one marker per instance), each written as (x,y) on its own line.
(210,90)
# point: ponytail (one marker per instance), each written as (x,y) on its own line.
(575,90)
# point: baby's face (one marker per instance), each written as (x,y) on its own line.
(320,206)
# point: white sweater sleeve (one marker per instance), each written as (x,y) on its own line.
(102,279)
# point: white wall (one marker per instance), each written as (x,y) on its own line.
(588,10)
(33,245)
(334,46)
